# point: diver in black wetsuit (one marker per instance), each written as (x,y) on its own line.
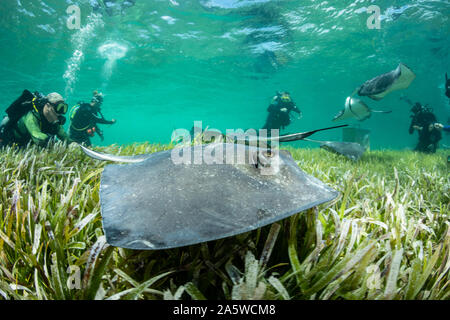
(425,122)
(279,109)
(84,118)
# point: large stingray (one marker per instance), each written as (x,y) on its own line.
(155,202)
(350,150)
(355,108)
(378,87)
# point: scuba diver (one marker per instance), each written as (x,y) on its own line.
(279,111)
(84,118)
(425,122)
(34,118)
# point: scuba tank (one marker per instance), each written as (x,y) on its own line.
(21,106)
(25,103)
(73,113)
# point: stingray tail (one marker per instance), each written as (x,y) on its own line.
(406,99)
(303,135)
(382,111)
(110,157)
(312,140)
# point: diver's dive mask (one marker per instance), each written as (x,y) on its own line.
(285,97)
(97,98)
(60,108)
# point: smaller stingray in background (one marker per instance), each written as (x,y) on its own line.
(350,150)
(378,87)
(154,202)
(355,108)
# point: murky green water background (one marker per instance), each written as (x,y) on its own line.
(163,64)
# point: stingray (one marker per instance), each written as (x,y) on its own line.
(355,108)
(378,87)
(350,150)
(154,202)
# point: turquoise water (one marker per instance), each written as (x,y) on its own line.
(163,64)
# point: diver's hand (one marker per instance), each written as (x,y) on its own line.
(283,109)
(113,121)
(417,128)
(438,126)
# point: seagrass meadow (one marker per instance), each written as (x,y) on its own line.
(386,237)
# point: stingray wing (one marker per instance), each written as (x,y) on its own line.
(378,87)
(156,204)
(350,150)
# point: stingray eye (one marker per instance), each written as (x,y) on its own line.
(265,159)
(268,154)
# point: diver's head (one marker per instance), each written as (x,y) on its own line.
(55,108)
(284,97)
(97,99)
(417,107)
